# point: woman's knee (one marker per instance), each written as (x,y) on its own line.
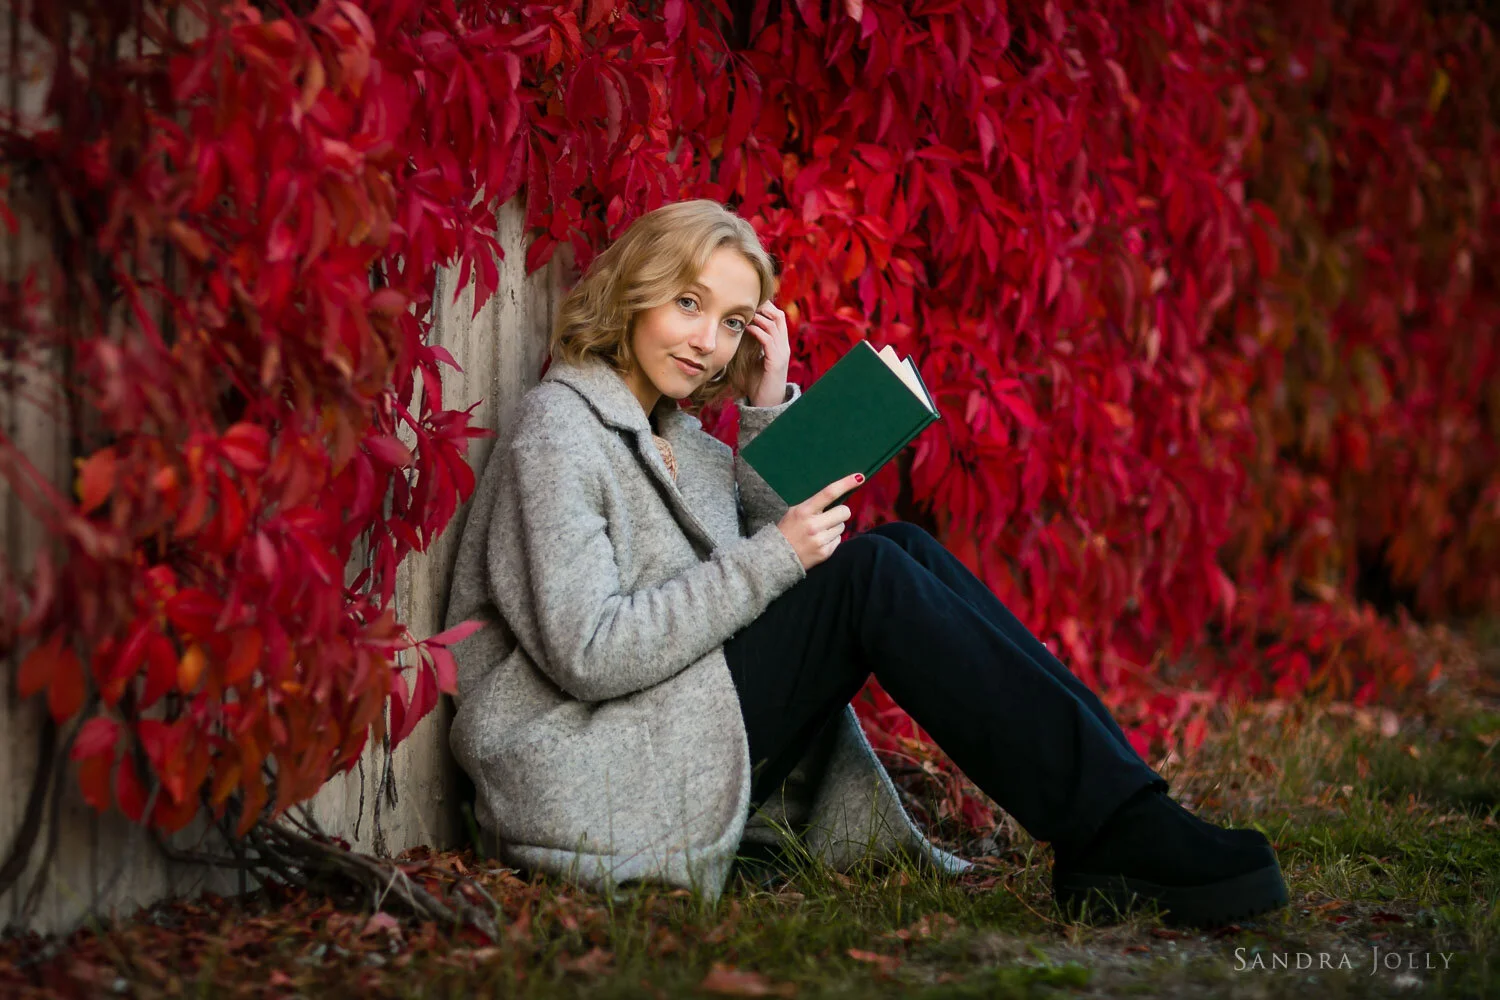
(860,553)
(909,536)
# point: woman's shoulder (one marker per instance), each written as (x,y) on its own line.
(550,409)
(553,427)
(551,394)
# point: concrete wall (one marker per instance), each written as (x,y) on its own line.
(102,865)
(501,352)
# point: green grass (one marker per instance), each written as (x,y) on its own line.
(1388,842)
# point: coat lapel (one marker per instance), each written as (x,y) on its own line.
(611,399)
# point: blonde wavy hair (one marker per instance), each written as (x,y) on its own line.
(652,263)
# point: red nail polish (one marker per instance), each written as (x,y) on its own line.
(859,477)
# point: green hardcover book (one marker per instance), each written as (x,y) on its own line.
(855,418)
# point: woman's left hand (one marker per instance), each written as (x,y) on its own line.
(768,326)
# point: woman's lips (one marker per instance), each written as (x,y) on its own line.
(687,366)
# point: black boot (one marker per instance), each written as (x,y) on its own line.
(1228,835)
(1153,851)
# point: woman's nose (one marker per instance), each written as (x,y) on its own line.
(705,337)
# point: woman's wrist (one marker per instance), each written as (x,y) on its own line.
(766,397)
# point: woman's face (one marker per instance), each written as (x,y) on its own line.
(681,344)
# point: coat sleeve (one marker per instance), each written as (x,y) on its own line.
(597,641)
(759,505)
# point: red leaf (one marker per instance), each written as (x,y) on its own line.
(193,611)
(96,736)
(539,253)
(247,447)
(232,518)
(93,780)
(400,698)
(173,814)
(190,669)
(675,16)
(254,801)
(809,9)
(190,240)
(447,669)
(424,697)
(389,450)
(985,128)
(321,561)
(128,791)
(195,513)
(386,302)
(132,652)
(38,667)
(266,559)
(160,741)
(1020,409)
(244,657)
(67,688)
(598,11)
(96,478)
(457,634)
(161,669)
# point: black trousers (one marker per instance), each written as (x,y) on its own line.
(893,602)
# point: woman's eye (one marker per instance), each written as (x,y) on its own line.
(689,300)
(740,328)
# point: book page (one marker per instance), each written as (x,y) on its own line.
(902,368)
(914,380)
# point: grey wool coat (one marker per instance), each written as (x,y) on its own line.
(596,713)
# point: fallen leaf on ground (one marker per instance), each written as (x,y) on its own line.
(885,963)
(595,963)
(663,942)
(381,921)
(726,927)
(726,980)
(933,925)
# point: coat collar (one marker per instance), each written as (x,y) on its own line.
(606,391)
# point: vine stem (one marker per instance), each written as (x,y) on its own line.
(303,859)
(24,841)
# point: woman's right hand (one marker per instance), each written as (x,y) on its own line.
(813,531)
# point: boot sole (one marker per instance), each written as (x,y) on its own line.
(1211,905)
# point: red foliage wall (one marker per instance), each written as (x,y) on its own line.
(1200,287)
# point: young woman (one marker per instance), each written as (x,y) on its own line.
(670,641)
